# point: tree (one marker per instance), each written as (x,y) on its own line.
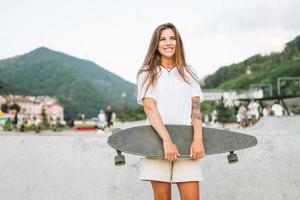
(4,108)
(45,119)
(225,114)
(15,107)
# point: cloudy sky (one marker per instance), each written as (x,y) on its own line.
(115,34)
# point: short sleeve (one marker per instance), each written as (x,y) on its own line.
(141,89)
(196,89)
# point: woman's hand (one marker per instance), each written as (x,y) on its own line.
(197,150)
(170,150)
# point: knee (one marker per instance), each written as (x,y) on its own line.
(162,195)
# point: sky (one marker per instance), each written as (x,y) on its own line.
(115,34)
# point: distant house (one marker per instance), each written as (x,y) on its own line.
(2,100)
(33,105)
(29,105)
(54,110)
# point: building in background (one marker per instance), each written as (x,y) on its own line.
(33,105)
(2,100)
(55,109)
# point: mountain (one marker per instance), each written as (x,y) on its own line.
(80,85)
(264,71)
(8,88)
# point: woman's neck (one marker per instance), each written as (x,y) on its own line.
(167,62)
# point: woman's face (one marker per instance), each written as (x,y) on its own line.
(167,43)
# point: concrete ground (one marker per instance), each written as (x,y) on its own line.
(79,166)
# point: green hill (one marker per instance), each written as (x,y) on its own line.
(80,85)
(8,88)
(265,70)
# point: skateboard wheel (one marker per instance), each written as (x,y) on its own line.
(119,160)
(232,158)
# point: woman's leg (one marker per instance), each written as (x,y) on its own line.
(189,190)
(161,190)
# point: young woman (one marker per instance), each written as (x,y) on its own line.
(170,95)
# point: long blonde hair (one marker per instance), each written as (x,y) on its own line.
(152,59)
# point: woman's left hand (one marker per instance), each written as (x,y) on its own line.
(197,150)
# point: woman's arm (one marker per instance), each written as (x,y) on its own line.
(170,149)
(197,149)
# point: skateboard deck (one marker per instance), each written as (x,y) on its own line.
(144,141)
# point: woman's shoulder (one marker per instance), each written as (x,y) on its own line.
(142,75)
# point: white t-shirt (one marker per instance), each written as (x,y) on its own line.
(277,109)
(172,95)
(242,112)
(101,117)
(253,108)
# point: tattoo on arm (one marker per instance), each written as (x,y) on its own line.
(196,114)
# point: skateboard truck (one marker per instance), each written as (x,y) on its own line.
(119,159)
(232,158)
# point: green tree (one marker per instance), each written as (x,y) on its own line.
(4,108)
(45,119)
(131,114)
(225,114)
(15,107)
(8,125)
(207,107)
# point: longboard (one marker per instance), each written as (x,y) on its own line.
(144,141)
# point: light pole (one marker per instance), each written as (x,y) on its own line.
(124,96)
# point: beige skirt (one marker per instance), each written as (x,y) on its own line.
(181,170)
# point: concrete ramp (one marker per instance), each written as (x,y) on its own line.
(75,166)
(277,125)
(79,166)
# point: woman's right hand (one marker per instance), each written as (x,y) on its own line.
(170,150)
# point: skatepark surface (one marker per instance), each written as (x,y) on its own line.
(79,166)
(277,125)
